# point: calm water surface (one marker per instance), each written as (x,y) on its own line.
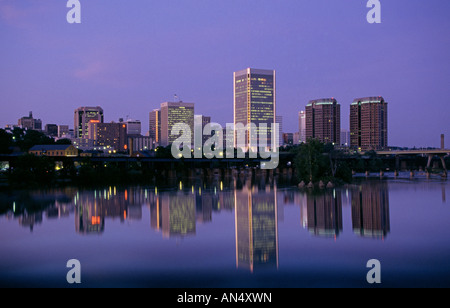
(234,233)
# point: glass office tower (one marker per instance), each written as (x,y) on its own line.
(255,102)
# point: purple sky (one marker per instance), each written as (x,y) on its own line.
(130,56)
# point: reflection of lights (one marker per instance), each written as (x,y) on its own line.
(95,220)
(124,214)
(14,207)
(192,189)
(181,185)
(221,186)
(126,195)
(200,191)
(156,190)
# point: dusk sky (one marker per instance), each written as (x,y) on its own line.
(130,56)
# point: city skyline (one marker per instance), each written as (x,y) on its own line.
(129,62)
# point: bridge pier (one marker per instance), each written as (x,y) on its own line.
(443,164)
(430,158)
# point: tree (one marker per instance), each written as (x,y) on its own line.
(5,142)
(26,140)
(30,169)
(310,162)
(64,141)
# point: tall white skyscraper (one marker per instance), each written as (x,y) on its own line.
(279,121)
(302,126)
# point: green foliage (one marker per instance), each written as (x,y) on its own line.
(30,169)
(5,142)
(310,162)
(25,140)
(315,161)
(163,152)
(64,142)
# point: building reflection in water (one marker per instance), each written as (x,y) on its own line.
(176,213)
(92,207)
(173,213)
(323,213)
(256,227)
(370,210)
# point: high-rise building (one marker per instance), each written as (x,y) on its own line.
(63,130)
(155,126)
(51,130)
(279,121)
(302,126)
(172,114)
(133,127)
(137,143)
(288,139)
(368,124)
(203,121)
(345,137)
(30,122)
(323,120)
(83,116)
(255,102)
(108,136)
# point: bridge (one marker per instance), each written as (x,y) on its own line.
(431,153)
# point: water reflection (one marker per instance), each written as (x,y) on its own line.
(324,213)
(256,228)
(370,210)
(258,208)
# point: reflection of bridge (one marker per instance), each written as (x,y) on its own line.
(441,153)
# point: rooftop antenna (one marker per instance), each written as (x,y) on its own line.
(176,99)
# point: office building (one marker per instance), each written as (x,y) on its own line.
(133,127)
(302,127)
(254,92)
(82,117)
(137,143)
(288,139)
(51,130)
(108,136)
(368,124)
(345,138)
(172,114)
(279,121)
(202,121)
(297,138)
(323,120)
(155,126)
(63,130)
(30,122)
